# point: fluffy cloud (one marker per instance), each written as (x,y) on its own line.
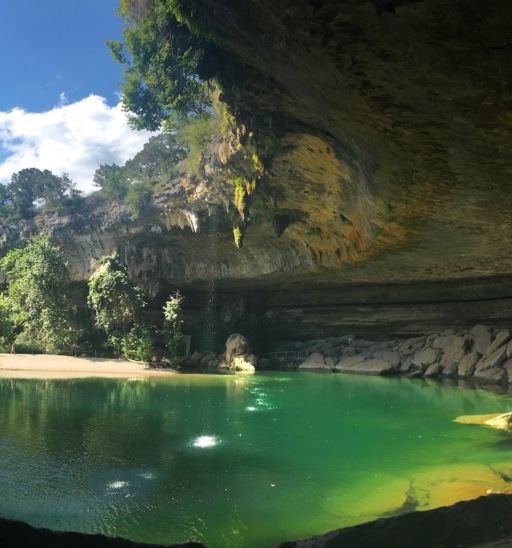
(72,137)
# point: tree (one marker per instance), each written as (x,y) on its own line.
(162,59)
(112,181)
(37,277)
(114,299)
(139,198)
(31,184)
(173,323)
(9,329)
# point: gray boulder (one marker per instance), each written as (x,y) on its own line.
(368,367)
(481,338)
(455,351)
(433,370)
(390,356)
(349,361)
(442,341)
(501,338)
(425,357)
(507,366)
(493,374)
(314,362)
(467,364)
(493,360)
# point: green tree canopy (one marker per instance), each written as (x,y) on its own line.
(162,59)
(173,324)
(37,278)
(114,299)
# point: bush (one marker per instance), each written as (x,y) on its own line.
(138,344)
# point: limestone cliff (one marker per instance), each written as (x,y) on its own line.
(386,136)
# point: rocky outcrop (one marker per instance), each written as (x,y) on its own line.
(237,357)
(447,354)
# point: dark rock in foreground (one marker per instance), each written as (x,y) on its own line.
(14,534)
(465,524)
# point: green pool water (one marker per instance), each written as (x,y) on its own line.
(240,461)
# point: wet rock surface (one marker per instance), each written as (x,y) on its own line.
(16,534)
(473,523)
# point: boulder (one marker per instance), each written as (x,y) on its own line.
(507,366)
(237,356)
(455,351)
(314,361)
(368,367)
(481,338)
(409,346)
(493,374)
(236,345)
(442,341)
(493,360)
(433,370)
(406,365)
(501,338)
(425,357)
(467,364)
(509,349)
(329,362)
(348,361)
(245,363)
(390,356)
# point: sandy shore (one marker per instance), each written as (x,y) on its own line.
(42,366)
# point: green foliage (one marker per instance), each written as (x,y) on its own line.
(113,298)
(37,277)
(161,58)
(173,323)
(32,186)
(137,344)
(111,181)
(195,134)
(8,327)
(239,193)
(237,236)
(139,198)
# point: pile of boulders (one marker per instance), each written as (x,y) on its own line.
(481,353)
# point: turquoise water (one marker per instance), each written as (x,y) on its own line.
(236,461)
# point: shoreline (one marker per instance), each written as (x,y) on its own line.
(51,366)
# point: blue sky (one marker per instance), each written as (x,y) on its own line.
(57,46)
(59,93)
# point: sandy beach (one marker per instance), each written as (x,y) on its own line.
(43,366)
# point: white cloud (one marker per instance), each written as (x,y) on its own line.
(74,138)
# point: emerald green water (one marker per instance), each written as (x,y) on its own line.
(235,461)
